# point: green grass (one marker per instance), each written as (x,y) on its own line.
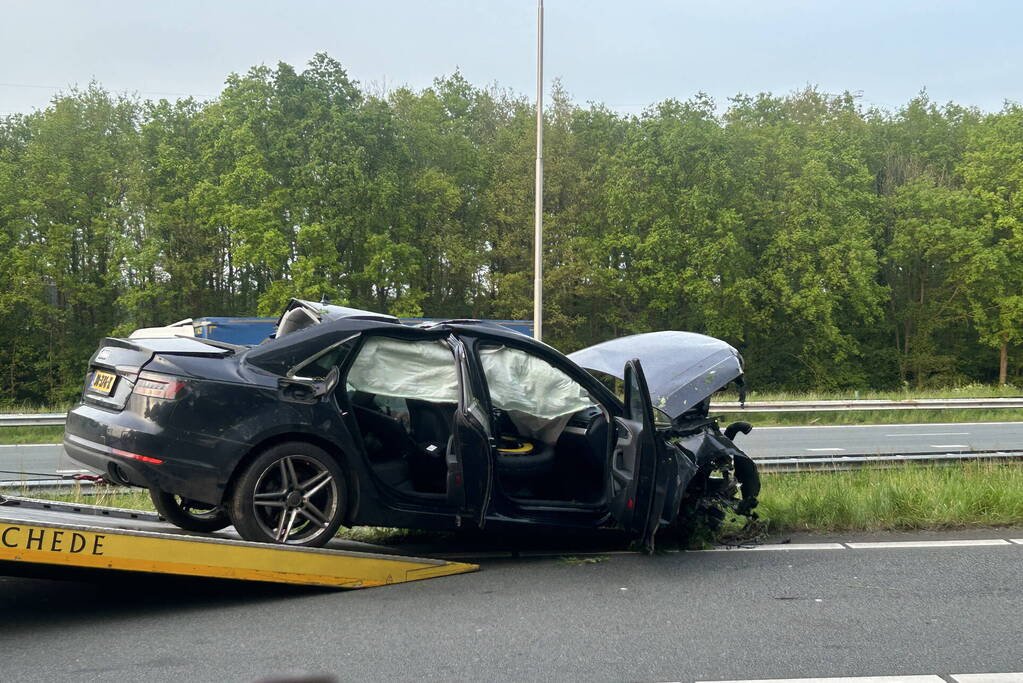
(573,561)
(30,408)
(138,499)
(14,435)
(134,499)
(903,498)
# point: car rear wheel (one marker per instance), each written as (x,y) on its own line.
(293,493)
(189,514)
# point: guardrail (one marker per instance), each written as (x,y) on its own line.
(865,404)
(57,419)
(841,463)
(33,420)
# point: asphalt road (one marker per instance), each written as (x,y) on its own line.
(674,617)
(31,459)
(763,442)
(774,442)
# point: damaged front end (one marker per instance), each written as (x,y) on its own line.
(726,479)
(684,370)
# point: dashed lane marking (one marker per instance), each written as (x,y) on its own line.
(930,434)
(950,445)
(851,679)
(872,545)
(781,546)
(918,425)
(962,543)
(825,450)
(958,678)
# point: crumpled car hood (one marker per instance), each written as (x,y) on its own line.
(300,314)
(682,368)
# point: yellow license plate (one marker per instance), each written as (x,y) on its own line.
(102,382)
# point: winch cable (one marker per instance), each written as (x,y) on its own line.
(95,478)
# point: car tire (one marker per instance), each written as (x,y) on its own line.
(293,493)
(188,514)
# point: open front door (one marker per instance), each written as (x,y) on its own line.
(634,462)
(470,457)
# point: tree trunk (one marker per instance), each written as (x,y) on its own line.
(1003,361)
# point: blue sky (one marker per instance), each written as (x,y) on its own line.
(625,54)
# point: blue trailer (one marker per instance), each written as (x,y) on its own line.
(254,330)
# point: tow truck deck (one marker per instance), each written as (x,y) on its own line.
(55,534)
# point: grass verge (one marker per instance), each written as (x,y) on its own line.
(138,499)
(874,417)
(903,498)
(25,435)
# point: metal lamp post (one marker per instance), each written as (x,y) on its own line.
(538,208)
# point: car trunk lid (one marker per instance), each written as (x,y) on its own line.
(115,367)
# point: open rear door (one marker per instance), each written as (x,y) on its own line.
(470,457)
(634,463)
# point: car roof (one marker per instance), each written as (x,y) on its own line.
(280,355)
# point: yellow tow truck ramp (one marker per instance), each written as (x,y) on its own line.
(41,532)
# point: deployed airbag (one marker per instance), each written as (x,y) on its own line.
(538,397)
(390,367)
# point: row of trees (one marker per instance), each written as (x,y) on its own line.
(836,246)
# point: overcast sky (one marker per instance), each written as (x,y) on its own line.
(625,54)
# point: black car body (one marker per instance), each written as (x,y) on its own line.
(349,417)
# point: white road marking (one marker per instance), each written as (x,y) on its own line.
(30,445)
(950,445)
(918,425)
(928,544)
(849,679)
(780,546)
(825,450)
(866,545)
(70,471)
(959,678)
(930,434)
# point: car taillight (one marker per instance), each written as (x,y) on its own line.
(136,456)
(158,386)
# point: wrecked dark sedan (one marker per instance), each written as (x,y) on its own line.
(349,418)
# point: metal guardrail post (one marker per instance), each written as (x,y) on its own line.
(33,420)
(56,419)
(867,404)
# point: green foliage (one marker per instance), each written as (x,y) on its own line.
(908,497)
(838,248)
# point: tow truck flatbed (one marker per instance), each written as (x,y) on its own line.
(55,534)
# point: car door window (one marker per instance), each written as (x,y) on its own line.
(422,370)
(404,395)
(537,397)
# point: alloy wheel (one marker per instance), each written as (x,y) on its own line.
(295,499)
